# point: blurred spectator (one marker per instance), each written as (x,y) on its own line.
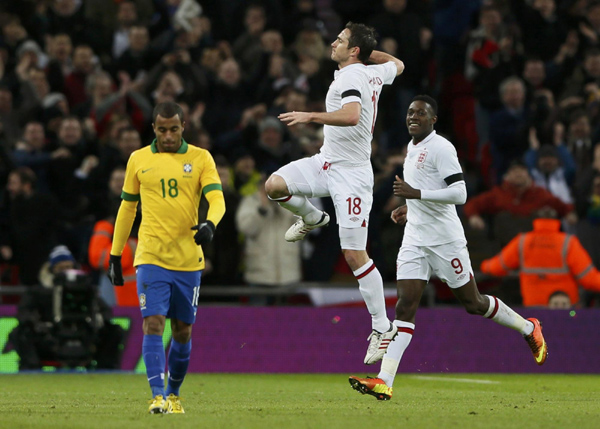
(544,124)
(13,34)
(552,168)
(221,115)
(98,87)
(49,107)
(100,245)
(270,150)
(31,151)
(587,201)
(303,12)
(587,188)
(112,155)
(585,74)
(508,126)
(579,140)
(223,262)
(543,30)
(9,117)
(491,57)
(126,17)
(125,102)
(84,64)
(513,203)
(559,301)
(405,36)
(247,47)
(246,179)
(268,259)
(139,57)
(33,224)
(59,48)
(106,14)
(67,16)
(176,77)
(548,261)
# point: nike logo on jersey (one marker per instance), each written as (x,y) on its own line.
(148,169)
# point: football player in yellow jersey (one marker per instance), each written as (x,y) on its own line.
(168,177)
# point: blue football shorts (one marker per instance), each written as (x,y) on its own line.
(169,293)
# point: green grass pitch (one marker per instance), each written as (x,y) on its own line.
(303,401)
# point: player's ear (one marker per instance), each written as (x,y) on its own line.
(434,119)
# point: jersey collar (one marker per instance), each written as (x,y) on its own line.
(182,149)
(348,67)
(426,139)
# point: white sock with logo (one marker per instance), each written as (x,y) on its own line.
(394,352)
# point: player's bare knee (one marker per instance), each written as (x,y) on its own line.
(276,187)
(153,325)
(182,332)
(355,258)
(184,336)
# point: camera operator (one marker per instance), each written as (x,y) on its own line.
(63,322)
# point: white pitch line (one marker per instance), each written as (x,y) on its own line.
(458,380)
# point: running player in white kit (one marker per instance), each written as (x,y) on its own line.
(434,243)
(342,170)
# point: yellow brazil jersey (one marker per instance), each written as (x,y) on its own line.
(168,185)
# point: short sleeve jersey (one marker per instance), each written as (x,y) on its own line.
(362,84)
(169,186)
(426,166)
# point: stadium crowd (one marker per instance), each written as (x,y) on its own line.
(517,81)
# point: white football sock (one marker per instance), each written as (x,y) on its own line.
(394,352)
(370,285)
(300,206)
(502,314)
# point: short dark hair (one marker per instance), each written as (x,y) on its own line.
(168,109)
(362,37)
(26,175)
(429,100)
(517,163)
(127,129)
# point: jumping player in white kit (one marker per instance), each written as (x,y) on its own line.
(434,243)
(342,170)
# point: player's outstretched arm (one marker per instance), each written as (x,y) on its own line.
(379,57)
(347,116)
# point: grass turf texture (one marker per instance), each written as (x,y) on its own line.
(303,401)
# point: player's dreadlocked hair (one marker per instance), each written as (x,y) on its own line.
(168,109)
(364,38)
(429,100)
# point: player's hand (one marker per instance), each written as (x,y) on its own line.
(204,234)
(115,270)
(293,118)
(403,189)
(476,222)
(399,214)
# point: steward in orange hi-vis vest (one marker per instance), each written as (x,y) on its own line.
(98,253)
(548,261)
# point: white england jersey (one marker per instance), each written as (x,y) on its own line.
(426,166)
(362,84)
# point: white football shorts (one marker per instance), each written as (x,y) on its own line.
(450,262)
(350,188)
